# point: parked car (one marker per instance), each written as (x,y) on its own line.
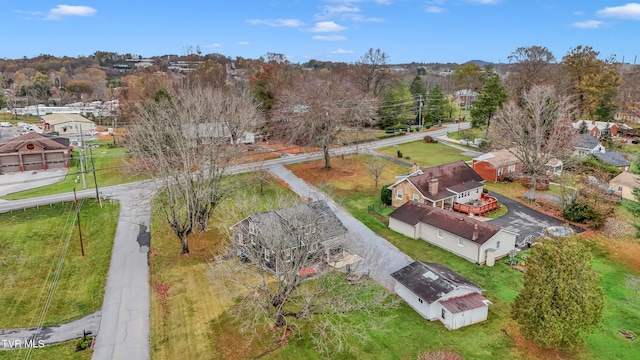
(5,124)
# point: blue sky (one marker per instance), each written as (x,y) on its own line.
(335,30)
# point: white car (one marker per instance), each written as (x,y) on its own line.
(5,124)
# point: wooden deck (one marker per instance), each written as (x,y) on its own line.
(482,206)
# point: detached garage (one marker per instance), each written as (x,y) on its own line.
(32,152)
(68,124)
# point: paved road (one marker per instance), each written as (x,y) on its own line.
(124,328)
(51,334)
(380,258)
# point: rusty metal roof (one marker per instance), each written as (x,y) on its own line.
(466,302)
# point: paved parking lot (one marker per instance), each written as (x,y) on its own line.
(524,220)
(19,181)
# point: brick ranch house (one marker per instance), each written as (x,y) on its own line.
(595,128)
(452,186)
(34,151)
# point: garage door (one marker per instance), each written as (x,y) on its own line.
(55,160)
(32,162)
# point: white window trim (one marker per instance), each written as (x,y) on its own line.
(399,194)
(416,197)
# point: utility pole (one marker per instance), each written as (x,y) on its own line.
(95,178)
(84,183)
(75,201)
(420,112)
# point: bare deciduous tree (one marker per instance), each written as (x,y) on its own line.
(184,139)
(375,168)
(283,247)
(530,66)
(371,71)
(536,131)
(318,107)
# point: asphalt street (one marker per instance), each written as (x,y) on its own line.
(124,327)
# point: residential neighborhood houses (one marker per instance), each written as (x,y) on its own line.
(440,220)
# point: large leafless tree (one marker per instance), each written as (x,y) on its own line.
(287,298)
(529,66)
(318,107)
(185,139)
(371,72)
(535,131)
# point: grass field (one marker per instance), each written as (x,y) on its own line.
(425,154)
(184,302)
(405,338)
(32,242)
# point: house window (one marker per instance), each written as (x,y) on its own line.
(415,197)
(443,313)
(460,241)
(477,191)
(499,171)
(420,301)
(252,228)
(267,256)
(399,194)
(619,188)
(497,244)
(511,168)
(440,233)
(240,238)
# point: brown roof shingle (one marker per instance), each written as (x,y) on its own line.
(455,223)
(46,142)
(464,303)
(448,175)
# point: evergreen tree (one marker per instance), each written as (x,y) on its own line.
(561,301)
(437,105)
(605,136)
(583,129)
(492,96)
(417,87)
(396,105)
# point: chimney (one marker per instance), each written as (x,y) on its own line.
(474,237)
(415,167)
(433,186)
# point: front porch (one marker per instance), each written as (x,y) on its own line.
(480,206)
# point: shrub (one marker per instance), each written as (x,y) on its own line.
(399,154)
(579,212)
(385,195)
(407,157)
(429,139)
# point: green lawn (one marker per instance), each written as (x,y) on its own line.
(425,154)
(31,245)
(470,134)
(110,169)
(407,332)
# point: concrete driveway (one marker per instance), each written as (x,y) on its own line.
(524,220)
(19,181)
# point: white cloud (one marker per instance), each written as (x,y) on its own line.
(589,24)
(435,9)
(578,13)
(485,2)
(277,22)
(70,10)
(329,38)
(327,26)
(628,11)
(212,46)
(243,43)
(342,51)
(23,12)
